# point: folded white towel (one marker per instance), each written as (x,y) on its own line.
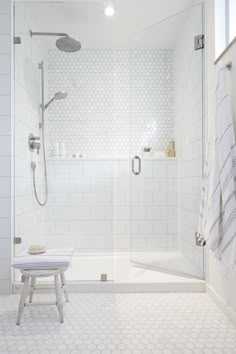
(51,259)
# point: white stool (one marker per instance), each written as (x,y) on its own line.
(28,289)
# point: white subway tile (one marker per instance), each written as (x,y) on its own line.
(4,269)
(5,7)
(156,212)
(5,145)
(62,227)
(138,212)
(5,84)
(5,105)
(5,44)
(138,244)
(120,227)
(160,198)
(147,169)
(5,64)
(5,166)
(5,187)
(5,248)
(159,170)
(141,198)
(141,227)
(159,227)
(5,23)
(121,243)
(5,227)
(171,226)
(171,171)
(171,198)
(121,213)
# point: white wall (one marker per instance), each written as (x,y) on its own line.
(225,288)
(5,146)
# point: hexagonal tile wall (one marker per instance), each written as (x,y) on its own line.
(119,324)
(118,101)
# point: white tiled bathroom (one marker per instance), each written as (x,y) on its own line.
(106,112)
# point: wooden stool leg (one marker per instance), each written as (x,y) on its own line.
(24,294)
(59,298)
(63,283)
(32,288)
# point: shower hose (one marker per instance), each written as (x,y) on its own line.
(33,166)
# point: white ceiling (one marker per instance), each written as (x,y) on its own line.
(86,21)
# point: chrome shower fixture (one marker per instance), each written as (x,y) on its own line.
(58,96)
(65,43)
(34,143)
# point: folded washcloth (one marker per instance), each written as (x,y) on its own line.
(51,259)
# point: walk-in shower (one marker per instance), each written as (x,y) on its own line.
(117,101)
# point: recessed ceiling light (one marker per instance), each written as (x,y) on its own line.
(109,11)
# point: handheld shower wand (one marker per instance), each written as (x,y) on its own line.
(57,96)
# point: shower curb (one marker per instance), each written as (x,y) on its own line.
(110,287)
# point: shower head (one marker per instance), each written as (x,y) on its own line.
(65,43)
(68,44)
(58,96)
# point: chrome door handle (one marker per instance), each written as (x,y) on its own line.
(139,165)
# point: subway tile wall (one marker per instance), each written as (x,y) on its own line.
(5,146)
(94,205)
(103,86)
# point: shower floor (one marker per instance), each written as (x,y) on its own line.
(125,276)
(119,268)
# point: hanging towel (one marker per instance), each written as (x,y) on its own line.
(217,223)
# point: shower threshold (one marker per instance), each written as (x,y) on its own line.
(123,276)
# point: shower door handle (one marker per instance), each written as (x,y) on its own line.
(136,158)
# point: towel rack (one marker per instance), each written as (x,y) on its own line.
(228,65)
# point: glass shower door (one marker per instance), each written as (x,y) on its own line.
(166,111)
(79,154)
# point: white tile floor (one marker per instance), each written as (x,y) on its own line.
(119,323)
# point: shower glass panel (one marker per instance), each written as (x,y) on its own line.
(166,105)
(79,152)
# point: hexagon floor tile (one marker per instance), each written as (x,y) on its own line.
(119,323)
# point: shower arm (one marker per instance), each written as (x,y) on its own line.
(44,107)
(48,34)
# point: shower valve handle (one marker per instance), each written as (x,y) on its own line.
(33,144)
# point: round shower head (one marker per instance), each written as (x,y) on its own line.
(60,95)
(68,44)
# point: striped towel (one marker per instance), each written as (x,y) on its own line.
(217,223)
(51,259)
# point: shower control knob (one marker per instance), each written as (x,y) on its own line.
(33,144)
